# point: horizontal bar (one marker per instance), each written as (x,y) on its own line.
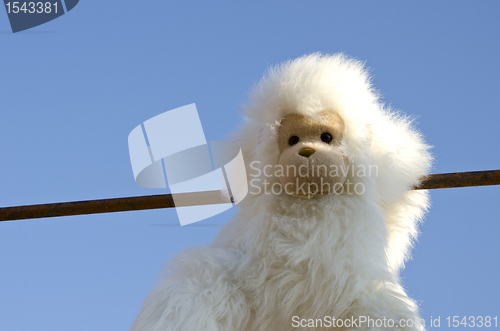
(435,181)
(460,179)
(111,205)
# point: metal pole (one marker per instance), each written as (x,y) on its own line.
(435,181)
(460,179)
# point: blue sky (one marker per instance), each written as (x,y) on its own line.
(71,91)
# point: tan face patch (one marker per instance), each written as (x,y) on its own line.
(312,165)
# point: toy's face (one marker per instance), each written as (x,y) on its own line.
(311,156)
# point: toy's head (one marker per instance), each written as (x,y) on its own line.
(316,127)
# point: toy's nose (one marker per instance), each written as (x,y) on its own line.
(306,152)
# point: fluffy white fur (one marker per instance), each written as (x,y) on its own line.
(336,255)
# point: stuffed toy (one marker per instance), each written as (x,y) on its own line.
(328,221)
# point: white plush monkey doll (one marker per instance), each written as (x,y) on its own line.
(328,221)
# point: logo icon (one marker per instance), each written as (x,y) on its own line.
(171,147)
(25,15)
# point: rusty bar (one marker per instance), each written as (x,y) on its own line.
(460,179)
(435,181)
(110,205)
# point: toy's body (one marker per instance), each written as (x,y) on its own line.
(290,261)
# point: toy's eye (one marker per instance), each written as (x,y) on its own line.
(293,140)
(326,137)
